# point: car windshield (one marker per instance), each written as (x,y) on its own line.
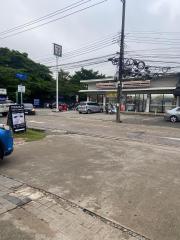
(28,105)
(82,104)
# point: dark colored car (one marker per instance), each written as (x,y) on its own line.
(6,141)
(29,109)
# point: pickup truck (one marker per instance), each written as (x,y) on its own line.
(4,107)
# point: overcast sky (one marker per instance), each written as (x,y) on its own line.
(88,26)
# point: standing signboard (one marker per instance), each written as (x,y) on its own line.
(16,118)
(57,53)
(36,102)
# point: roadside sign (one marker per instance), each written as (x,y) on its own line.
(3,91)
(16,118)
(57,50)
(37,102)
(21,76)
(21,89)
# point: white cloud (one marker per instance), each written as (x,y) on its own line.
(172,7)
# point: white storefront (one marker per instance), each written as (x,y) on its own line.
(155,95)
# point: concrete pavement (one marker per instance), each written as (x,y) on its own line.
(32,214)
(128,173)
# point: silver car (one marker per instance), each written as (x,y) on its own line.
(89,107)
(173,115)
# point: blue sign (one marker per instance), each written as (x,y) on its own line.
(21,76)
(37,102)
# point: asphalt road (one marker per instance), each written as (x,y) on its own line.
(127,172)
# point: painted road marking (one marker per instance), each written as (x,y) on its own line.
(36,122)
(169,138)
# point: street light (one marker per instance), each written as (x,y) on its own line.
(121,63)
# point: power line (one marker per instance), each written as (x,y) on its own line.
(105,57)
(86,52)
(98,45)
(71,6)
(54,20)
(112,38)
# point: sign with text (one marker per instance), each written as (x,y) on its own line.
(37,102)
(16,118)
(136,84)
(21,89)
(106,85)
(21,76)
(57,50)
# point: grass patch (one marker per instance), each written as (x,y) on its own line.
(31,135)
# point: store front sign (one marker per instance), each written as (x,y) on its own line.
(136,84)
(104,86)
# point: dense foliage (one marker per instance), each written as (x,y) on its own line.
(39,84)
(69,85)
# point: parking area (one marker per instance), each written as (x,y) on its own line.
(127,173)
(131,118)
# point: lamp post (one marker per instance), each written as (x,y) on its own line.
(121,63)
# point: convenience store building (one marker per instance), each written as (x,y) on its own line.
(155,95)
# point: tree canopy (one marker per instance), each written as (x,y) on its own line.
(39,84)
(69,85)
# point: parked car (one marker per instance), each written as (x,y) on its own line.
(62,106)
(89,107)
(172,115)
(6,141)
(29,109)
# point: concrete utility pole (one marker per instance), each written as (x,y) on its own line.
(121,63)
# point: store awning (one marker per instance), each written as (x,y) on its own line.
(160,90)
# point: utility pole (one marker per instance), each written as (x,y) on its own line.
(121,63)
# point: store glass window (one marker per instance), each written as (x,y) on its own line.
(156,103)
(100,98)
(93,98)
(130,103)
(169,102)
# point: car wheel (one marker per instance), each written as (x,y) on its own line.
(101,111)
(80,112)
(88,111)
(4,114)
(1,153)
(173,119)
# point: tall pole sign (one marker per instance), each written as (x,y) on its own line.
(121,63)
(57,54)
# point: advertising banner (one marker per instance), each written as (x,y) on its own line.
(16,118)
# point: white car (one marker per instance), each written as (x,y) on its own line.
(89,107)
(172,115)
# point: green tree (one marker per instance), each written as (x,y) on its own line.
(39,84)
(69,86)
